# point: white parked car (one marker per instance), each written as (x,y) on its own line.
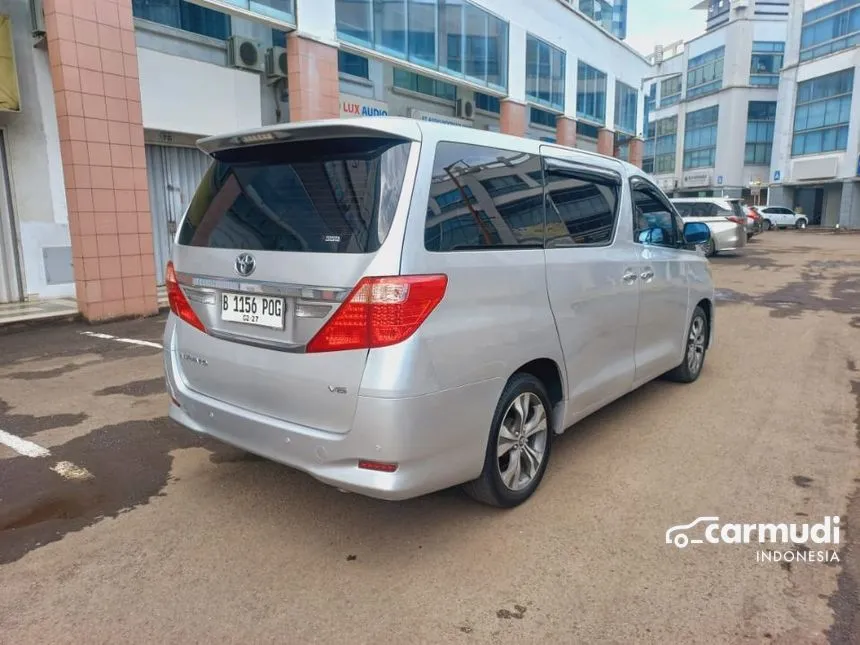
(779,217)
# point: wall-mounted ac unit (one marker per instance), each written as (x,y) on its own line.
(37,18)
(465,109)
(244,53)
(276,62)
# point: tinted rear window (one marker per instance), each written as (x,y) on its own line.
(322,196)
(738,209)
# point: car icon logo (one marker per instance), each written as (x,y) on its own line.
(245,264)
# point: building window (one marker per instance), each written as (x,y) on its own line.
(767,59)
(544,73)
(488,103)
(830,28)
(452,36)
(761,116)
(587,130)
(670,91)
(353,64)
(700,138)
(705,73)
(600,11)
(822,114)
(542,117)
(413,82)
(665,144)
(184,15)
(626,107)
(591,94)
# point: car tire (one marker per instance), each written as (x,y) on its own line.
(768,225)
(503,482)
(801,224)
(710,248)
(696,345)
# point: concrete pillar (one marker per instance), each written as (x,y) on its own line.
(513,118)
(637,151)
(93,58)
(565,131)
(849,207)
(312,79)
(606,142)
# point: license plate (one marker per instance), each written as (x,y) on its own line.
(263,311)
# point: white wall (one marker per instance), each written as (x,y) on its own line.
(183,95)
(33,153)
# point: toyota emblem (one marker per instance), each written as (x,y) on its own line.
(245,264)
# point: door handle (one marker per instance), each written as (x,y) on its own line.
(629,277)
(647,274)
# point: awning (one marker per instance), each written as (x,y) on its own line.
(10,94)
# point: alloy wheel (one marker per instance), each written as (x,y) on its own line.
(522,442)
(696,345)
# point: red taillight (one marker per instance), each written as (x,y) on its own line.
(377,466)
(736,220)
(179,304)
(380,312)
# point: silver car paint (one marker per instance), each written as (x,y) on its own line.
(427,404)
(727,236)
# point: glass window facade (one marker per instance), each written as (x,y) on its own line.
(413,82)
(283,10)
(600,11)
(353,64)
(544,73)
(767,59)
(451,36)
(626,107)
(761,117)
(700,138)
(670,91)
(184,15)
(830,28)
(542,117)
(822,114)
(650,130)
(591,94)
(665,143)
(488,103)
(705,73)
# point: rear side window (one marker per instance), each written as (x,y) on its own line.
(581,205)
(737,209)
(323,196)
(484,198)
(684,210)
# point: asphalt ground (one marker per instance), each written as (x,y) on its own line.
(122,527)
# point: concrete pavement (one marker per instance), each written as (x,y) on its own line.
(172,538)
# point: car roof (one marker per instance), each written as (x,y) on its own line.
(404,127)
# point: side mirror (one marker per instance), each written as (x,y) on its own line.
(696,233)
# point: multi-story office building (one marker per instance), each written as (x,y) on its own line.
(611,15)
(815,165)
(712,108)
(103,100)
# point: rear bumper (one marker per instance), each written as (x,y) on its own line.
(437,441)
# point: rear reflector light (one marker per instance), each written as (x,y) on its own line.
(380,312)
(377,466)
(179,304)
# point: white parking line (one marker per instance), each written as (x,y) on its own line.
(22,446)
(128,341)
(65,469)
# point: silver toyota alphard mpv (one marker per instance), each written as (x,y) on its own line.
(396,307)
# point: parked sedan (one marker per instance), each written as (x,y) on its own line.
(755,222)
(725,217)
(780,217)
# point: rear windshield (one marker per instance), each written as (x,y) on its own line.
(320,196)
(737,209)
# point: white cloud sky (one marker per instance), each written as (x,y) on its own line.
(660,22)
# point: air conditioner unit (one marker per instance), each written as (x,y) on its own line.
(465,109)
(244,53)
(276,62)
(37,18)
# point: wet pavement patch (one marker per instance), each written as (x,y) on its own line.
(40,375)
(147,387)
(25,425)
(803,482)
(130,464)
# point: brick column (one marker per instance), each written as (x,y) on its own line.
(637,151)
(565,131)
(97,96)
(312,79)
(513,118)
(606,142)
